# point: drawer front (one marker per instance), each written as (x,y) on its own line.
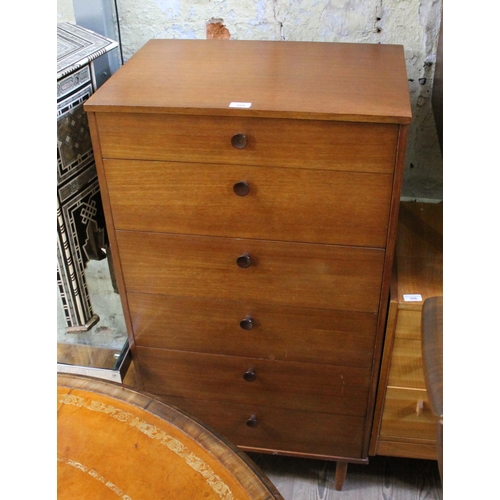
(298,386)
(279,430)
(408,325)
(318,206)
(254,330)
(362,147)
(406,365)
(297,274)
(407,449)
(401,420)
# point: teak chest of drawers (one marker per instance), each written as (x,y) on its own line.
(404,425)
(251,193)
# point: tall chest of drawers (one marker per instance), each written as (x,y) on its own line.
(251,191)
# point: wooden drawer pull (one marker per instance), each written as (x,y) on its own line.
(247,323)
(241,188)
(249,375)
(252,421)
(239,141)
(244,261)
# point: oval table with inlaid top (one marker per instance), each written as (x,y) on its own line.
(115,442)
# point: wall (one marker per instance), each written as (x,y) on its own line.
(412,23)
(65,11)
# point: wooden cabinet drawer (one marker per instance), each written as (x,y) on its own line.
(318,206)
(406,365)
(401,420)
(425,450)
(279,333)
(297,274)
(362,147)
(408,325)
(279,430)
(299,386)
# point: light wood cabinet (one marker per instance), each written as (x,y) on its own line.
(404,424)
(252,192)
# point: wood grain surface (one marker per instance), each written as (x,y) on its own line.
(418,270)
(419,252)
(407,449)
(297,274)
(406,364)
(401,420)
(282,143)
(352,82)
(408,324)
(315,206)
(278,332)
(284,431)
(297,386)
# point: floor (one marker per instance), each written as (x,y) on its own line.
(384,478)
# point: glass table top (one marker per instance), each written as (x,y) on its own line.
(100,351)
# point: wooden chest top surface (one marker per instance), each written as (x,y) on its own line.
(311,80)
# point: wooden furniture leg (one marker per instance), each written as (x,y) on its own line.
(340,473)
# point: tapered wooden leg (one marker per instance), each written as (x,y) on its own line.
(340,473)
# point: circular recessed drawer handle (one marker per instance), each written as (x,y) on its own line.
(239,141)
(247,323)
(252,421)
(244,261)
(241,188)
(249,375)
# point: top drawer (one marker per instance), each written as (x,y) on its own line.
(317,144)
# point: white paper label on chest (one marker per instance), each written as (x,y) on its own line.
(240,104)
(412,297)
